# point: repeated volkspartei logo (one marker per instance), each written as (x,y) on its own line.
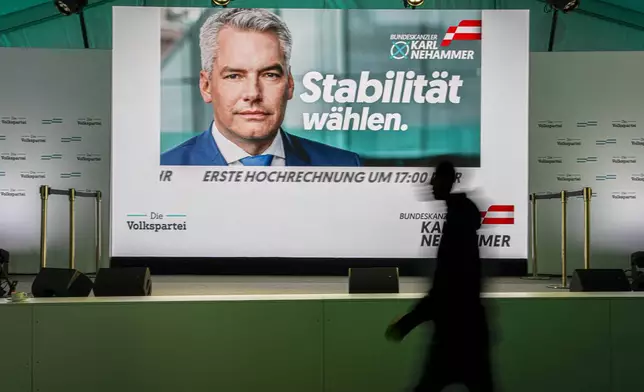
(637,141)
(89,122)
(550,124)
(13,120)
(13,192)
(568,177)
(33,139)
(13,156)
(637,177)
(624,160)
(156,221)
(33,175)
(624,195)
(89,157)
(549,159)
(624,124)
(569,142)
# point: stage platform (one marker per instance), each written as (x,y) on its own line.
(294,334)
(173,285)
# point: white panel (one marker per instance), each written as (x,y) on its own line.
(235,219)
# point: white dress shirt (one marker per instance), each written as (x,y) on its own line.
(233,153)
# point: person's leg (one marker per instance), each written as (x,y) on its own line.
(431,382)
(478,375)
(480,378)
(436,374)
(481,385)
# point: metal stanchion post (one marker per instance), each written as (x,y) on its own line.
(44,198)
(72,228)
(45,192)
(564,241)
(564,238)
(588,194)
(98,232)
(533,248)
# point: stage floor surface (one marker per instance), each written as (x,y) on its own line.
(176,285)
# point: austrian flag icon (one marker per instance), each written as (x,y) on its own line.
(467,30)
(498,215)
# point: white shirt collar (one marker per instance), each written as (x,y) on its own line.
(233,153)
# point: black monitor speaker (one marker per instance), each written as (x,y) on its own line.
(61,282)
(123,282)
(599,280)
(377,280)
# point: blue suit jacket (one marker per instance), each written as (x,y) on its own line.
(202,150)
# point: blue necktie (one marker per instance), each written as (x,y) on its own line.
(258,160)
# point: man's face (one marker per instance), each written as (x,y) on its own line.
(441,185)
(249,85)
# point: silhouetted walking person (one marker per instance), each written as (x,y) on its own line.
(459,350)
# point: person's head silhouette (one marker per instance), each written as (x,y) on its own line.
(443,180)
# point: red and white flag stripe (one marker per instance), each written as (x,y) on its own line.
(467,30)
(498,215)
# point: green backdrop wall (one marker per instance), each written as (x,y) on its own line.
(562,342)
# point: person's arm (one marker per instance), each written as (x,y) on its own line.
(421,312)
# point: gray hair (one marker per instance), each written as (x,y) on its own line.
(249,19)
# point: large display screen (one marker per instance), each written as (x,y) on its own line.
(308,133)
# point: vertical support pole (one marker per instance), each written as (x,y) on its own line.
(533,209)
(98,240)
(533,247)
(44,198)
(564,238)
(588,194)
(564,244)
(72,228)
(553,29)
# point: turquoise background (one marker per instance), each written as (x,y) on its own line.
(343,43)
(469,140)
